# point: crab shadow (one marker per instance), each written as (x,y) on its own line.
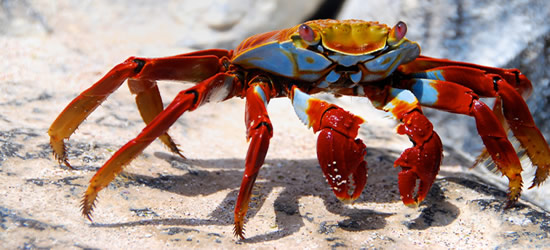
(297,178)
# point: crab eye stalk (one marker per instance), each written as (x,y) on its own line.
(308,35)
(397,33)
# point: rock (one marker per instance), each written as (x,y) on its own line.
(163,201)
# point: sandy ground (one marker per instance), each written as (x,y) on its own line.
(163,201)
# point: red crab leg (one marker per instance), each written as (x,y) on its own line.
(341,156)
(149,103)
(509,105)
(221,85)
(258,131)
(187,67)
(422,161)
(512,76)
(456,98)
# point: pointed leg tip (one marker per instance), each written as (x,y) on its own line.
(510,204)
(535,184)
(59,152)
(87,206)
(180,154)
(238,231)
(66,162)
(88,216)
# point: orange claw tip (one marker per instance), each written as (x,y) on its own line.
(412,205)
(347,200)
(409,202)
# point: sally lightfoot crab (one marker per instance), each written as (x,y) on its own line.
(350,57)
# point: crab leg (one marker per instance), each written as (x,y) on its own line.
(341,156)
(258,131)
(509,105)
(221,86)
(186,67)
(456,98)
(512,76)
(421,161)
(149,103)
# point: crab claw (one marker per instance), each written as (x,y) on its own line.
(342,161)
(421,162)
(340,155)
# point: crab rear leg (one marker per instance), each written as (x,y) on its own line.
(341,156)
(259,132)
(420,162)
(149,103)
(221,85)
(456,98)
(509,86)
(187,67)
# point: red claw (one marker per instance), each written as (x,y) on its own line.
(340,155)
(419,162)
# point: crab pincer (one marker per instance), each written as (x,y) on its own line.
(342,158)
(420,162)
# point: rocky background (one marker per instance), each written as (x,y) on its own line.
(52,50)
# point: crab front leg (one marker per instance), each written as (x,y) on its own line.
(420,162)
(217,88)
(456,98)
(258,131)
(144,72)
(341,156)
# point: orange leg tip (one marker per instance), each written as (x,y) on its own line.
(238,231)
(169,142)
(178,152)
(58,148)
(511,201)
(87,205)
(66,162)
(513,195)
(540,176)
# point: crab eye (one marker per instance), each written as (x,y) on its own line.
(397,33)
(400,30)
(308,34)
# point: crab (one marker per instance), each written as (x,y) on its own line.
(348,57)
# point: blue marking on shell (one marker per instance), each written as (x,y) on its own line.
(300,104)
(286,60)
(312,77)
(383,62)
(349,60)
(333,76)
(386,63)
(431,74)
(356,77)
(425,92)
(323,84)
